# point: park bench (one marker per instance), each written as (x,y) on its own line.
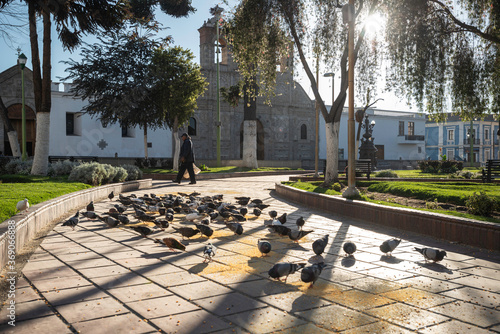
(363,166)
(491,171)
(55,158)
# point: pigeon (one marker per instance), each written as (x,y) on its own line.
(432,254)
(186,232)
(23,205)
(284,269)
(300,222)
(206,221)
(311,273)
(205,230)
(257,201)
(90,206)
(171,243)
(145,217)
(110,221)
(319,245)
(123,219)
(389,245)
(273,214)
(209,252)
(280,229)
(282,218)
(235,227)
(297,235)
(243,211)
(161,223)
(143,230)
(111,196)
(349,247)
(257,212)
(264,246)
(72,222)
(120,208)
(242,200)
(89,214)
(194,216)
(238,217)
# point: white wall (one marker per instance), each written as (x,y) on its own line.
(385,133)
(90,132)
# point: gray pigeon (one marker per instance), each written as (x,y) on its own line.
(123,219)
(349,247)
(273,214)
(282,218)
(431,254)
(311,273)
(284,269)
(72,222)
(89,214)
(90,206)
(256,212)
(110,221)
(23,205)
(205,230)
(186,232)
(111,195)
(209,252)
(143,230)
(235,227)
(389,245)
(264,246)
(319,245)
(280,229)
(297,235)
(300,222)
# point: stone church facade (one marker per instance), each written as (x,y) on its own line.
(285,129)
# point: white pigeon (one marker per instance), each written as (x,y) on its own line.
(23,205)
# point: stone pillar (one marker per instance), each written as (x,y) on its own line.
(250,144)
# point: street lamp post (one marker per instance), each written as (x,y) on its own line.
(22,63)
(471,136)
(217,11)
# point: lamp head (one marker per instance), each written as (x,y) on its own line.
(329,74)
(373,123)
(22,60)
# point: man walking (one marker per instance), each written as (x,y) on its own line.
(186,158)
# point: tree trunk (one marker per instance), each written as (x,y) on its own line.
(332,148)
(250,144)
(176,141)
(145,141)
(42,91)
(11,132)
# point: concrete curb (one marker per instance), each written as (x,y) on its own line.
(210,176)
(26,226)
(455,229)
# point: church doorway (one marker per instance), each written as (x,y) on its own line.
(14,113)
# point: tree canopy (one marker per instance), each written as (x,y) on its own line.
(134,80)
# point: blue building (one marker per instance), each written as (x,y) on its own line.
(453,139)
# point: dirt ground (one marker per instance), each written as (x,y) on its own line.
(416,203)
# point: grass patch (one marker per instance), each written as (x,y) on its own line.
(227,169)
(36,189)
(315,187)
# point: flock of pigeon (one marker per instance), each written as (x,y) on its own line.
(202,211)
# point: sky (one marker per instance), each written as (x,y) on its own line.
(185,34)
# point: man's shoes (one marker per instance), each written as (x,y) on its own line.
(192,182)
(176,181)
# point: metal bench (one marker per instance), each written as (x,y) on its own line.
(55,158)
(491,171)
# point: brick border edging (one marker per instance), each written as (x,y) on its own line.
(470,232)
(40,215)
(210,176)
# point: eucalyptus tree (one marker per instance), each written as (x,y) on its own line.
(148,85)
(429,52)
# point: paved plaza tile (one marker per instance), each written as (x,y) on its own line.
(97,279)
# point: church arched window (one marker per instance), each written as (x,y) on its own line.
(303,131)
(192,127)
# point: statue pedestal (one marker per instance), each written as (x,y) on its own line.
(250,144)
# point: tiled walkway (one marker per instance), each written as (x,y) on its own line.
(110,280)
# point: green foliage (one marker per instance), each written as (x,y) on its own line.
(231,95)
(167,163)
(133,172)
(481,204)
(3,163)
(312,187)
(432,205)
(203,168)
(153,162)
(17,166)
(62,167)
(121,175)
(94,173)
(36,189)
(337,187)
(386,173)
(440,166)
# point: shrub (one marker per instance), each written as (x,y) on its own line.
(121,174)
(480,204)
(110,173)
(440,166)
(167,163)
(203,167)
(153,162)
(17,166)
(337,187)
(92,173)
(432,205)
(3,162)
(142,163)
(386,173)
(133,172)
(62,167)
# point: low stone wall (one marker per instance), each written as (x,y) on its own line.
(209,176)
(470,232)
(26,226)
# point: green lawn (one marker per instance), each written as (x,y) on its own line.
(227,169)
(36,189)
(445,192)
(417,173)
